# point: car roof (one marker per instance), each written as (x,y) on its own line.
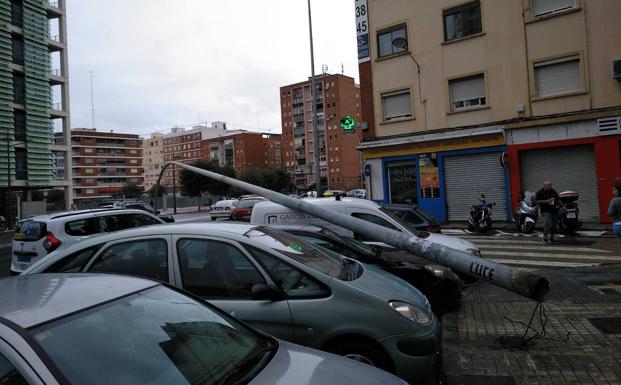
(400,206)
(201,228)
(253,198)
(29,300)
(83,213)
(325,201)
(226,201)
(306,228)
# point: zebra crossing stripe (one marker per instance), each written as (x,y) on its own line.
(515,262)
(551,256)
(543,248)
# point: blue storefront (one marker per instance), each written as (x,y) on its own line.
(443,174)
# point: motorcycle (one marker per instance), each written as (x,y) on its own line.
(526,214)
(568,221)
(480,218)
(3,223)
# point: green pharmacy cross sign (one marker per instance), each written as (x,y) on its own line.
(348,123)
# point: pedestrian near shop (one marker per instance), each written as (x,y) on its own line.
(614,210)
(547,198)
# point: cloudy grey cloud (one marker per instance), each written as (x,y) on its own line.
(160,63)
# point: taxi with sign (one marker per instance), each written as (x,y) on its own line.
(277,283)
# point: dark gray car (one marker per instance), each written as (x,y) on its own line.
(106,329)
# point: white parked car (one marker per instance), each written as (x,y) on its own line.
(270,213)
(223,209)
(35,237)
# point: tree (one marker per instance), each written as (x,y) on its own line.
(193,184)
(275,180)
(161,190)
(132,189)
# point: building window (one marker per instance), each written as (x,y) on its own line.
(18,50)
(19,88)
(467,92)
(19,123)
(397,105)
(547,7)
(17,13)
(21,164)
(88,150)
(555,77)
(462,21)
(385,39)
(90,191)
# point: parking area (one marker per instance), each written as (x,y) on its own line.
(497,337)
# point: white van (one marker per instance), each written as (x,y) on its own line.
(268,213)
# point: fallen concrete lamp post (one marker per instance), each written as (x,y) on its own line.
(520,281)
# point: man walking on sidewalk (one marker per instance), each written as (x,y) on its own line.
(547,198)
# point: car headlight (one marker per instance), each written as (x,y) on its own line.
(475,252)
(438,271)
(410,312)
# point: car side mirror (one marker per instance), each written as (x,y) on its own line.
(157,212)
(262,292)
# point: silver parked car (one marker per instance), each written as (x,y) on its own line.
(106,329)
(277,283)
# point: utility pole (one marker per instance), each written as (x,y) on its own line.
(8,178)
(314,106)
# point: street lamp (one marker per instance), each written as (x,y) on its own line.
(175,157)
(314,105)
(402,43)
(8,178)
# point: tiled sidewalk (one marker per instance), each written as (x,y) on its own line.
(472,353)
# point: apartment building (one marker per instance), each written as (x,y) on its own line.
(463,98)
(34,50)
(244,149)
(337,96)
(104,163)
(153,161)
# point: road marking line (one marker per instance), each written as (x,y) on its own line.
(547,248)
(542,263)
(554,256)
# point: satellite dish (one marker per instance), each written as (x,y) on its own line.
(400,42)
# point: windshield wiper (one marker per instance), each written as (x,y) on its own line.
(243,371)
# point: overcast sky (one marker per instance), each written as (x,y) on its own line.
(160,63)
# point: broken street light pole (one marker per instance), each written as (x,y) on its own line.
(517,280)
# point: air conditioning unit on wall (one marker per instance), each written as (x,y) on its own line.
(616,69)
(609,126)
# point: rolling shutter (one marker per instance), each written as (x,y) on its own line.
(466,177)
(568,168)
(542,7)
(558,77)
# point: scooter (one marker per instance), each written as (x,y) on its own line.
(480,218)
(568,221)
(526,214)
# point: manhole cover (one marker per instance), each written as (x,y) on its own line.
(479,380)
(607,325)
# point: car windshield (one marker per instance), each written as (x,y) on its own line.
(157,336)
(248,203)
(410,227)
(360,247)
(299,250)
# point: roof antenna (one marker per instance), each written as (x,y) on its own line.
(324,69)
(342,69)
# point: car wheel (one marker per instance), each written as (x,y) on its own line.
(213,218)
(362,352)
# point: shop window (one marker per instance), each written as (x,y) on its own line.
(403,183)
